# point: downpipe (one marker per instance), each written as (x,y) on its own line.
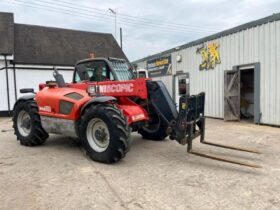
(7,84)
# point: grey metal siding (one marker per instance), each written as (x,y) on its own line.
(142,65)
(168,81)
(257,44)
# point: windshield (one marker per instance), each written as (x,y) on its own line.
(122,70)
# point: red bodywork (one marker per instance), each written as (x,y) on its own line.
(49,98)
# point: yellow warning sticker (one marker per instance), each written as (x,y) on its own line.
(184,105)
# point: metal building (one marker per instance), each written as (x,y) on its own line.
(239,69)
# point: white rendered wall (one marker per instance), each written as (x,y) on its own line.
(25,78)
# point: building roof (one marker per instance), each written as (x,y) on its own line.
(271,18)
(6,33)
(32,44)
(45,45)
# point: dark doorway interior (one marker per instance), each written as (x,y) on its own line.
(247,94)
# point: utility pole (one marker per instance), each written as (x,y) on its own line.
(121,37)
(115,13)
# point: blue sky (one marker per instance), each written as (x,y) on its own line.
(148,26)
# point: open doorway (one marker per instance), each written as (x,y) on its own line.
(242,93)
(247,94)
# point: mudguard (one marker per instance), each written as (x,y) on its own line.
(97,100)
(25,98)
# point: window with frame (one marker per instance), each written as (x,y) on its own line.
(95,71)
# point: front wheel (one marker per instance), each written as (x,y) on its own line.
(105,133)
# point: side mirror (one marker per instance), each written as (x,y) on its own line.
(26,90)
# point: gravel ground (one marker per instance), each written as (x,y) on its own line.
(153,175)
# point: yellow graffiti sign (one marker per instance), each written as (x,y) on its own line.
(210,56)
(162,62)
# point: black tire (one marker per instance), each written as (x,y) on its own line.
(118,141)
(76,141)
(35,135)
(155,129)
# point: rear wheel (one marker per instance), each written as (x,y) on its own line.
(155,129)
(27,124)
(105,134)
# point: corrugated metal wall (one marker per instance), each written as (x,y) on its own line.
(258,44)
(167,80)
(142,65)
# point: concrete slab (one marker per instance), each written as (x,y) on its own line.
(153,175)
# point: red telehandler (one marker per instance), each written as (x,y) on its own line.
(103,105)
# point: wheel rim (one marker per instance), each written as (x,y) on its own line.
(98,135)
(24,123)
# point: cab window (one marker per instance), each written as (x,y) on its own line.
(95,71)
